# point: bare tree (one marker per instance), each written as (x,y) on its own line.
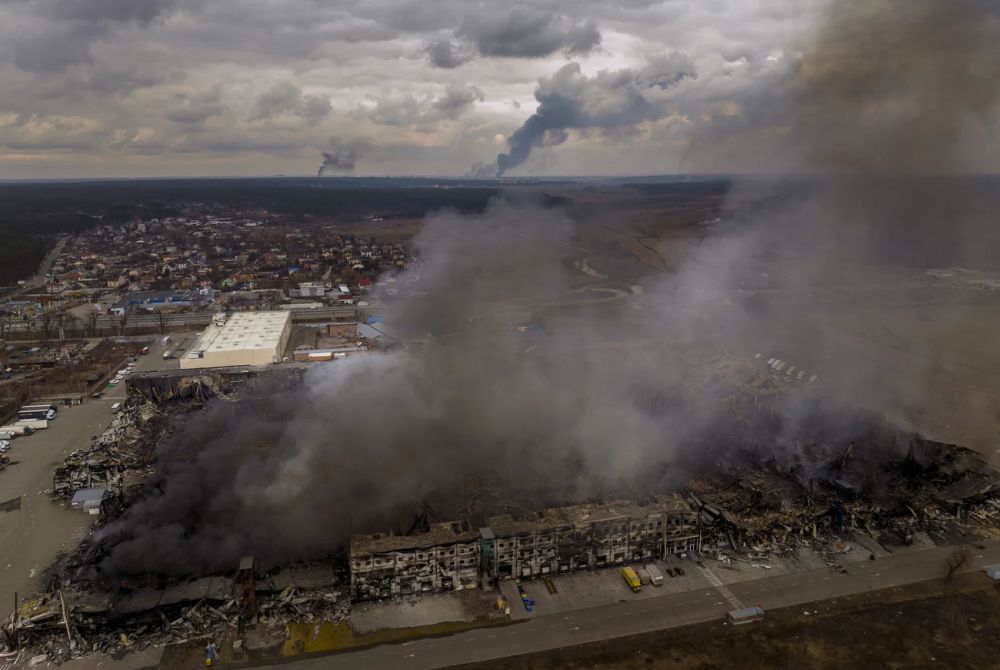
(122,322)
(63,319)
(92,319)
(161,319)
(46,319)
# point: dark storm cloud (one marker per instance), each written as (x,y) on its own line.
(287,98)
(610,100)
(139,11)
(54,48)
(65,30)
(448,55)
(525,32)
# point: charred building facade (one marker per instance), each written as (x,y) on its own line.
(564,539)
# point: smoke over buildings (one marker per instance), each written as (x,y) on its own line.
(290,476)
(889,92)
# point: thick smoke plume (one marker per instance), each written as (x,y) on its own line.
(889,91)
(289,477)
(890,105)
(343,157)
(570,100)
(881,121)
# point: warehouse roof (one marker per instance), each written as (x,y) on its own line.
(244,331)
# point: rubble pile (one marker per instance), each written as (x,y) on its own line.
(819,494)
(79,620)
(118,459)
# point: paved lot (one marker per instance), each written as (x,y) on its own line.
(638,613)
(32,537)
(431,609)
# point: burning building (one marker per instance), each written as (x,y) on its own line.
(557,540)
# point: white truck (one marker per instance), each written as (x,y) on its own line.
(34,424)
(17,430)
(655,576)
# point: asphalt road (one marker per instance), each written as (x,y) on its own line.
(543,632)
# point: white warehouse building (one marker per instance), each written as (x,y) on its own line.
(243,338)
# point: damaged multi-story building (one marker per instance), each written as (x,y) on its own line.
(580,537)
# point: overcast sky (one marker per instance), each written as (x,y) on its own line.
(257,87)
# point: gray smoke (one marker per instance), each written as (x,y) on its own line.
(343,157)
(882,118)
(485,398)
(570,100)
(589,407)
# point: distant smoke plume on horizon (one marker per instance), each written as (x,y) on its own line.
(343,157)
(609,100)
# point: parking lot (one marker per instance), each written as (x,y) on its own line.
(31,537)
(599,588)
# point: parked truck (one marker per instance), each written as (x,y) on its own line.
(632,579)
(17,429)
(34,424)
(47,412)
(655,576)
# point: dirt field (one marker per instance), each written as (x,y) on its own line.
(936,624)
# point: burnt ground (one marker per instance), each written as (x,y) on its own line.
(952,624)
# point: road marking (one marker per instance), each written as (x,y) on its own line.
(723,590)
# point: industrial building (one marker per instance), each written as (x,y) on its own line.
(243,338)
(157,300)
(565,539)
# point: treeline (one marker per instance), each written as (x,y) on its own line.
(20,256)
(117,201)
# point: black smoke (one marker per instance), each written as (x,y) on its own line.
(570,100)
(481,395)
(343,157)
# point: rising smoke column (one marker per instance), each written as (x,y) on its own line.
(291,477)
(570,100)
(879,121)
(287,477)
(342,157)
